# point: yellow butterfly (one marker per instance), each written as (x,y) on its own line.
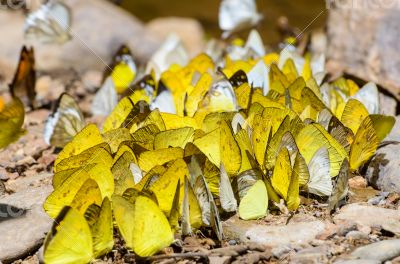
(142,224)
(11,120)
(74,239)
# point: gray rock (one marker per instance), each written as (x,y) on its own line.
(23,222)
(388,105)
(382,251)
(356,235)
(370,51)
(382,172)
(394,135)
(273,235)
(371,216)
(98,27)
(311,255)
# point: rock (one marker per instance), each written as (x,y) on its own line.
(98,29)
(189,30)
(358,261)
(272,235)
(394,135)
(219,260)
(356,235)
(382,251)
(357,182)
(388,105)
(311,255)
(371,216)
(370,30)
(281,251)
(382,172)
(23,222)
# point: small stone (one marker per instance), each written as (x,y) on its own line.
(279,252)
(219,260)
(42,87)
(311,255)
(345,227)
(382,251)
(357,182)
(358,261)
(356,235)
(232,242)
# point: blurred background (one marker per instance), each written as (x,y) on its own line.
(299,12)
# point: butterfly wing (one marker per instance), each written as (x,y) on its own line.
(64,123)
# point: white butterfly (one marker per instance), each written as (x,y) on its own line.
(320,182)
(226,195)
(50,23)
(171,52)
(164,102)
(64,123)
(235,15)
(258,76)
(368,95)
(106,99)
(254,48)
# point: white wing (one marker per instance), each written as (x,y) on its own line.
(50,23)
(255,43)
(368,95)
(136,172)
(297,59)
(320,182)
(164,102)
(258,76)
(238,120)
(237,14)
(226,195)
(171,52)
(318,68)
(106,99)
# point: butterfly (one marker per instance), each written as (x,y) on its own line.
(235,15)
(80,238)
(64,123)
(51,23)
(122,69)
(11,120)
(106,99)
(23,84)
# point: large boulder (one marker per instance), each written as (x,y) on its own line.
(364,40)
(98,28)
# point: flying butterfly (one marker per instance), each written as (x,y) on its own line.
(51,23)
(23,84)
(64,123)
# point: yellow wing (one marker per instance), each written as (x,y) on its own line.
(353,115)
(174,138)
(282,173)
(11,121)
(147,160)
(143,226)
(70,239)
(254,204)
(88,137)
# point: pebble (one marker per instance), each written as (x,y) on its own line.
(271,235)
(356,235)
(357,182)
(279,252)
(311,255)
(381,251)
(358,261)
